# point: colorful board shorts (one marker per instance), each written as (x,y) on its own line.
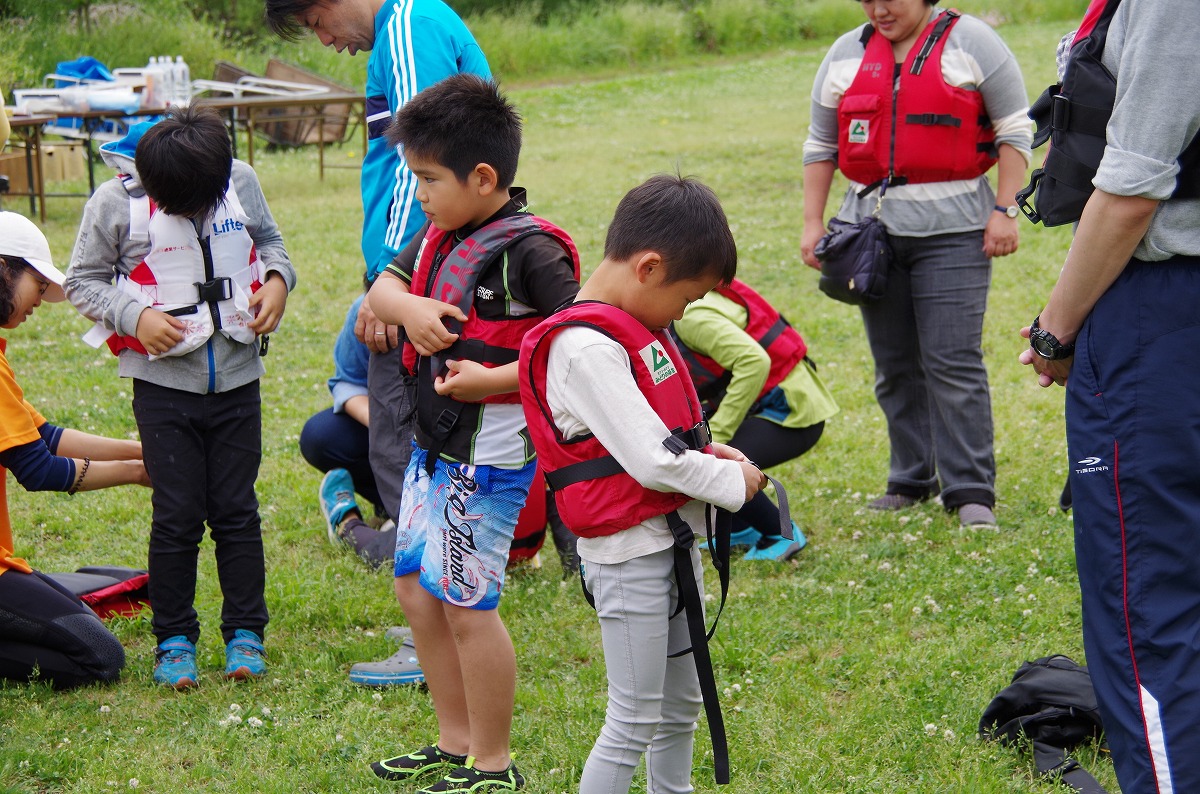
(455,527)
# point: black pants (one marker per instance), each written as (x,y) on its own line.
(202,452)
(338,441)
(768,444)
(44,627)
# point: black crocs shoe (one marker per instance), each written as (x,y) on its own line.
(427,759)
(469,780)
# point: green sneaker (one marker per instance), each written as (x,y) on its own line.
(427,759)
(469,780)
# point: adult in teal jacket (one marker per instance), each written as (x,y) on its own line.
(413,44)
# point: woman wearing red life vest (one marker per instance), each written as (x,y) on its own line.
(922,102)
(46,633)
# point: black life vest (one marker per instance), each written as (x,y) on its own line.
(1073,116)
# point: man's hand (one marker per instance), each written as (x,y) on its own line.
(378,336)
(1048,372)
(158,331)
(270,300)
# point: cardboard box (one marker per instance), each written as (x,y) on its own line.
(12,165)
(63,161)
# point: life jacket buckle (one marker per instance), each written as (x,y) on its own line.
(215,290)
(1060,113)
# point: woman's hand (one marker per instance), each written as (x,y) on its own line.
(809,238)
(1000,236)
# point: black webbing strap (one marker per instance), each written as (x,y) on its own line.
(1054,762)
(777,328)
(592,469)
(693,607)
(927,49)
(697,437)
(933,119)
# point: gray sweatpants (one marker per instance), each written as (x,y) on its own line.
(653,701)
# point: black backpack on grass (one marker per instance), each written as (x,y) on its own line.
(1052,704)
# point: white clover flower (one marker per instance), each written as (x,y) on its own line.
(709,597)
(340,738)
(105,709)
(749,680)
(856,535)
(234,708)
(737,687)
(887,607)
(904,519)
(377,697)
(885,566)
(727,692)
(949,735)
(134,782)
(908,537)
(266,711)
(1021,588)
(930,729)
(916,610)
(1026,613)
(254,722)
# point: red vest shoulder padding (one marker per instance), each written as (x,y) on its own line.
(606,505)
(941,132)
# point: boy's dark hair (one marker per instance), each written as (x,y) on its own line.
(184,162)
(283,16)
(460,122)
(680,219)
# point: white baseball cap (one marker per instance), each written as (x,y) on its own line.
(21,237)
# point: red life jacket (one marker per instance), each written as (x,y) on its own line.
(448,271)
(925,131)
(765,325)
(595,496)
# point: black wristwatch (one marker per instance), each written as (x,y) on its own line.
(1046,344)
(1010,211)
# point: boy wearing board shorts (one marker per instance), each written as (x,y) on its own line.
(466,290)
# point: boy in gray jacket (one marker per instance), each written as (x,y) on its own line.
(182,267)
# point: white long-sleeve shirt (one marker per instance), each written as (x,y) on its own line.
(590,389)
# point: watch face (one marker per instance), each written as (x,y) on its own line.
(1043,347)
(1011,211)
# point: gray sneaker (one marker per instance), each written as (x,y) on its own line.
(401,667)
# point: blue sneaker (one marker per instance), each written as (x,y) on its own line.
(175,663)
(401,667)
(245,656)
(798,535)
(337,499)
(779,548)
(748,537)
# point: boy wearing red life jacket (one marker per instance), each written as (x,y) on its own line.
(466,290)
(619,432)
(182,267)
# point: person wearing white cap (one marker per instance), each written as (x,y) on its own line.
(46,633)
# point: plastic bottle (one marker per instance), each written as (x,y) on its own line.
(183,80)
(153,85)
(166,69)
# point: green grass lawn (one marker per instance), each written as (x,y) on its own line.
(863,666)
